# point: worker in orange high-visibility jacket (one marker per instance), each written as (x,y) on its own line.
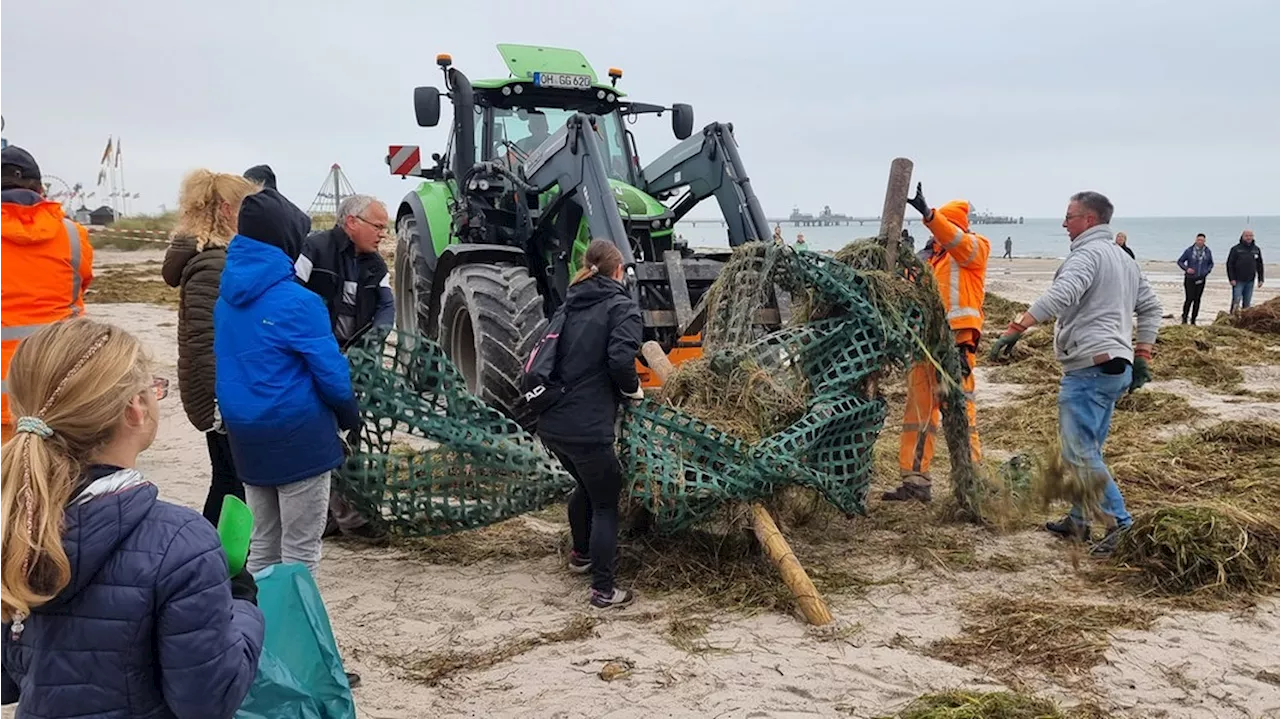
(958,259)
(47,262)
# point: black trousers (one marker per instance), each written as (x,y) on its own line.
(593,506)
(225,480)
(1194,290)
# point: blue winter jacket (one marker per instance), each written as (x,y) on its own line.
(147,626)
(283,387)
(1202,268)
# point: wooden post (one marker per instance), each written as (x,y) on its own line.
(766,530)
(895,208)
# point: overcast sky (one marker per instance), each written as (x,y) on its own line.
(1170,107)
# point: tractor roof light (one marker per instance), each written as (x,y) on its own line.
(615,74)
(444,60)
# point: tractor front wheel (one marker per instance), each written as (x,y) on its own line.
(491,316)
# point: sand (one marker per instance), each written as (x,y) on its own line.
(388,607)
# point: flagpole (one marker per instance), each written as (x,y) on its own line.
(124,194)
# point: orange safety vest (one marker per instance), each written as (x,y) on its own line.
(959,265)
(47,265)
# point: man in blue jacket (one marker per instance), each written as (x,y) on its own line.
(1197,263)
(283,387)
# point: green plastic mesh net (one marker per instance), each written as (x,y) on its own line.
(765,408)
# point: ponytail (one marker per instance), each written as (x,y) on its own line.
(602,258)
(68,385)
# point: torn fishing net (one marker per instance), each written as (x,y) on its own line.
(764,408)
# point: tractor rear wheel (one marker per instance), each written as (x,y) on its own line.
(490,318)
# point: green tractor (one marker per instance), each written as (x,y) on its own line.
(536,166)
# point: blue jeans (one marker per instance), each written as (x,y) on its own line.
(1242,295)
(1086,399)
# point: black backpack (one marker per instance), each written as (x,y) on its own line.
(540,384)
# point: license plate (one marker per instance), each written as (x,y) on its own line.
(562,80)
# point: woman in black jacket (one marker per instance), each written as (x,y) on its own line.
(208,204)
(596,358)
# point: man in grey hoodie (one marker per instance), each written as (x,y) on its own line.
(1095,294)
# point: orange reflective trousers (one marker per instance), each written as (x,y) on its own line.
(924,416)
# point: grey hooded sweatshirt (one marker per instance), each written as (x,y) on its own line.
(1095,294)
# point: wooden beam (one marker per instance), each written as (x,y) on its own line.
(895,208)
(679,288)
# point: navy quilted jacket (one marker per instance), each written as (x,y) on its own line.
(146,628)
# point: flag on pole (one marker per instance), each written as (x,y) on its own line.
(118,143)
(106,154)
(102,176)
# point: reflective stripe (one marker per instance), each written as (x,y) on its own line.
(4,386)
(302,267)
(955,240)
(963,312)
(18,332)
(73,237)
(349,290)
(955,285)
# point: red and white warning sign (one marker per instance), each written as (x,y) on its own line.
(404,159)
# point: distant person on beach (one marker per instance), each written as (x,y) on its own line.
(1196,262)
(1008,249)
(777,234)
(48,261)
(1123,240)
(908,241)
(958,259)
(1094,296)
(800,243)
(1244,265)
(208,204)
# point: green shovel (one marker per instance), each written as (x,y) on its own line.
(235,526)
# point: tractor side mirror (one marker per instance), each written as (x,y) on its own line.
(682,120)
(426,105)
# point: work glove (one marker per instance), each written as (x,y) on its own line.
(243,587)
(636,397)
(349,441)
(1141,374)
(919,202)
(1003,347)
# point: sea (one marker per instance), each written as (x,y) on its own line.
(1150,238)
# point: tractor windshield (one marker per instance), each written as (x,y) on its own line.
(527,129)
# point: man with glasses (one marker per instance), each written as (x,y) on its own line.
(1095,294)
(343,266)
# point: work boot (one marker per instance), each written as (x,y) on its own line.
(616,599)
(369,534)
(1107,545)
(579,563)
(1069,528)
(908,491)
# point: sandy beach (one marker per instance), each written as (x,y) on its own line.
(391,608)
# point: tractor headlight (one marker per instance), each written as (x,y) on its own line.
(656,224)
(599,94)
(472,185)
(668,222)
(612,97)
(519,89)
(506,90)
(484,185)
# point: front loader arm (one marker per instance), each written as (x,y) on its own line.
(572,160)
(709,165)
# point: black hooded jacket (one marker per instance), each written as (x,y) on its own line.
(597,359)
(1244,262)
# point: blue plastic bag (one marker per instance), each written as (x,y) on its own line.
(300,675)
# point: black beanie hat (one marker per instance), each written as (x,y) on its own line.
(268,217)
(261,174)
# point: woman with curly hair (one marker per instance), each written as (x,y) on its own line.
(208,205)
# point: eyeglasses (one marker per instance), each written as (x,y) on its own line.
(160,386)
(380,227)
(1071,217)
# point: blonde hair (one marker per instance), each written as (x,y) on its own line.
(200,206)
(68,386)
(602,258)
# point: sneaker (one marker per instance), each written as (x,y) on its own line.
(353,679)
(370,534)
(579,563)
(616,599)
(1069,528)
(908,491)
(1107,545)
